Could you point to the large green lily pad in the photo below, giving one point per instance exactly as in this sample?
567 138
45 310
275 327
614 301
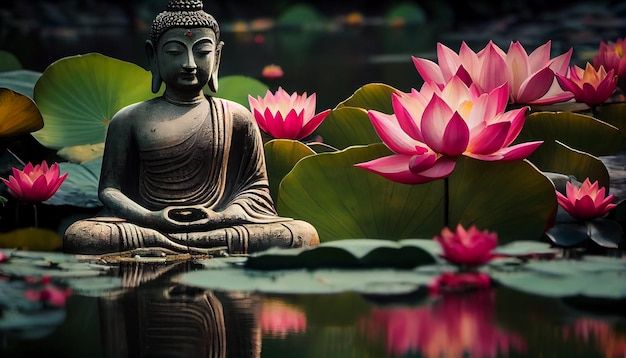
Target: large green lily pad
79 95
31 239
557 157
237 89
347 126
614 114
280 157
376 96
20 81
577 131
18 114
80 188
343 202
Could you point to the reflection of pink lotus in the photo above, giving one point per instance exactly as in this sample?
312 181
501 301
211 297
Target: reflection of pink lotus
605 337
455 326
49 295
470 247
280 319
589 86
432 127
587 202
530 78
611 57
449 282
35 183
286 116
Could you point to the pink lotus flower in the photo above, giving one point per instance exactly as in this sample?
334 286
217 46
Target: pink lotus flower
286 116
272 72
279 319
530 78
467 247
35 183
589 86
432 127
3 257
611 57
587 202
49 295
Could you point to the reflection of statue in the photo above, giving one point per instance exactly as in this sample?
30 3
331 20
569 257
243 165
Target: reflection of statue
183 171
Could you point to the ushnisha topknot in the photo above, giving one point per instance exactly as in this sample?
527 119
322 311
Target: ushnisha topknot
185 14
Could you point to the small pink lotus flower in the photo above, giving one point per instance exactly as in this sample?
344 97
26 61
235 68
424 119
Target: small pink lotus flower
432 127
286 116
279 319
530 78
587 202
589 86
272 72
467 247
611 57
3 257
49 295
35 183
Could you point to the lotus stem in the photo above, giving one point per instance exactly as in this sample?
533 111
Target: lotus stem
16 157
594 111
446 202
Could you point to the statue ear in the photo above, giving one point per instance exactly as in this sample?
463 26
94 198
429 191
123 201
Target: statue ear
154 67
218 55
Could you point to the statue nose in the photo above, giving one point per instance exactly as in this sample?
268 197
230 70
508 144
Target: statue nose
190 64
190 68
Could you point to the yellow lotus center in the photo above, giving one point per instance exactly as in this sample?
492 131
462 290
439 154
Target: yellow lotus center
619 49
465 109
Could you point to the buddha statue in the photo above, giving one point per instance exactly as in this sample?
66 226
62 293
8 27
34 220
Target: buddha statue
185 172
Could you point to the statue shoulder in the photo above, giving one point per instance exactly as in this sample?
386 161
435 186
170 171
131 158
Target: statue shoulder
242 118
125 117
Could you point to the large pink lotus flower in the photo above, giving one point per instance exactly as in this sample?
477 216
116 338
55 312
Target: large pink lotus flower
286 116
467 247
589 86
530 78
587 202
35 183
432 127
611 57
279 319
453 326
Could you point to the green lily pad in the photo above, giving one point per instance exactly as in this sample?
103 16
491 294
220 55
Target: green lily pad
556 157
594 277
80 188
526 248
353 253
20 81
324 281
237 89
280 157
8 62
79 95
318 147
575 130
348 126
82 153
31 239
18 114
376 96
408 13
613 114
344 202
301 15
568 234
606 233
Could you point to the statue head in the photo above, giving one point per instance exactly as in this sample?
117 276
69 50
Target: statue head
184 49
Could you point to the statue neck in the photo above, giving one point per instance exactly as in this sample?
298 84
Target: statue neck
183 97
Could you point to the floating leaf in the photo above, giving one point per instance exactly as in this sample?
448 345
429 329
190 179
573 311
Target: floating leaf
79 95
80 188
606 233
614 114
344 202
365 253
300 15
575 130
22 81
408 13
8 62
557 157
374 281
376 96
526 248
568 234
280 157
348 126
18 114
321 147
82 153
31 239
237 89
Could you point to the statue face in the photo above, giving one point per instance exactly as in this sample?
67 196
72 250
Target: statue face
187 58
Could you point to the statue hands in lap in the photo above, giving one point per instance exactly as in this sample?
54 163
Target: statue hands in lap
183 171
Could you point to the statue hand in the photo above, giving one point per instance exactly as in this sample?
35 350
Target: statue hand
189 217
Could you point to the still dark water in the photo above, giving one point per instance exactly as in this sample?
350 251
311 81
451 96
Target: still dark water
162 319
